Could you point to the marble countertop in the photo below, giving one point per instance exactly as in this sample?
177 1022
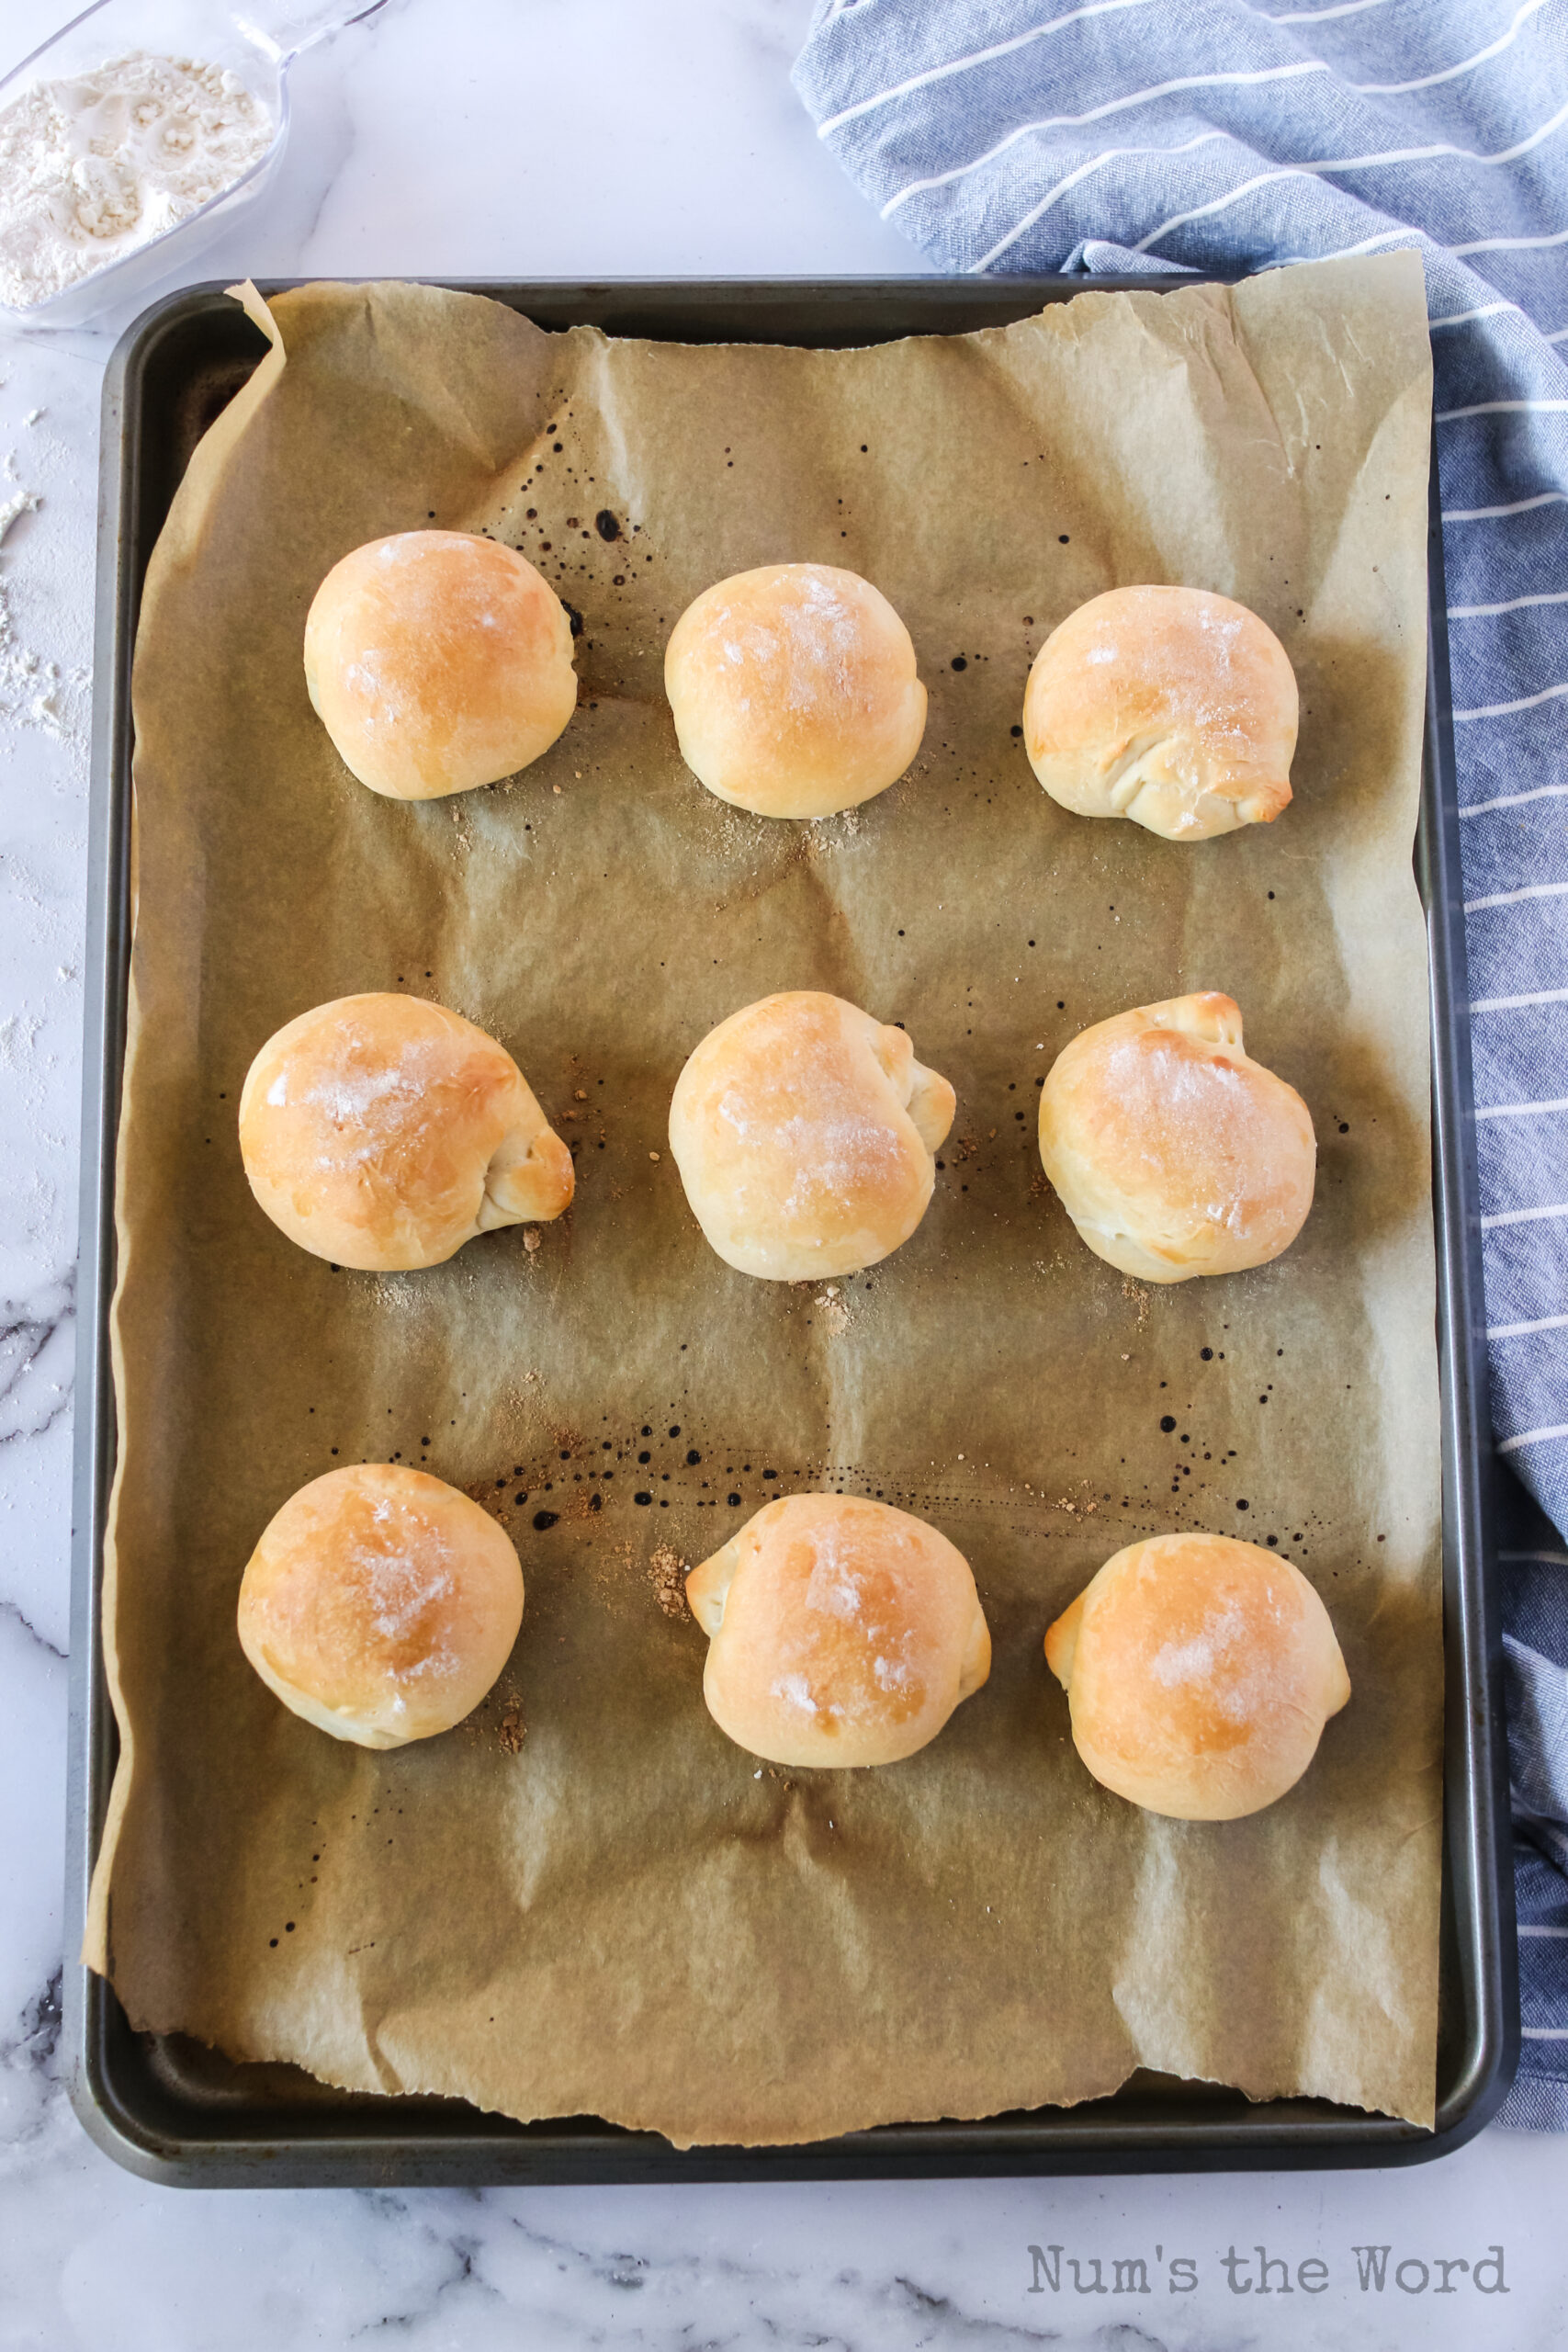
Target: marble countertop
556 138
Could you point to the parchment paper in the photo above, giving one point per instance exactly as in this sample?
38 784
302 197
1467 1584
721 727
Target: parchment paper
586 1899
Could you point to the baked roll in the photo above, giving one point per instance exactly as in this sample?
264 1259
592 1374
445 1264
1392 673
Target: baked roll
384 1132
1199 1673
380 1604
437 660
1173 1153
839 1632
806 1134
794 690
1171 706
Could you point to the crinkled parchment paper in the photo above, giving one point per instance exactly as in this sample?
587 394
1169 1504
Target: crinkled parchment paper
585 1899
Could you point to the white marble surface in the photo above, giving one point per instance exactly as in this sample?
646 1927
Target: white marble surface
528 136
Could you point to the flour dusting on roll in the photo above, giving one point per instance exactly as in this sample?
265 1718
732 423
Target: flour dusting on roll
1173 1152
384 1132
380 1604
1199 1673
1169 706
794 690
438 660
840 1632
806 1134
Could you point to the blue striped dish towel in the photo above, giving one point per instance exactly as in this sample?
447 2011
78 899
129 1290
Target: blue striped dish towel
1224 135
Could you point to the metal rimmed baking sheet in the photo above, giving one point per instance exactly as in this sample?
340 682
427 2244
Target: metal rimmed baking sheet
169 377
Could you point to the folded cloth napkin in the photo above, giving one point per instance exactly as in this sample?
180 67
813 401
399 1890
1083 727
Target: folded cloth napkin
1122 135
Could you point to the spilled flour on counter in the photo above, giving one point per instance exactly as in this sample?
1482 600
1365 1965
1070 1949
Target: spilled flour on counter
93 167
33 692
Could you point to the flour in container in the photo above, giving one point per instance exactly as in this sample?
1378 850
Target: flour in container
93 167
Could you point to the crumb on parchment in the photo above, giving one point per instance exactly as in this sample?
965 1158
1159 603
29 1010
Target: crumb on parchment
666 1574
833 1310
1080 1506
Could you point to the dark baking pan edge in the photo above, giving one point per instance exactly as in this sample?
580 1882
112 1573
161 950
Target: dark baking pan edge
177 2113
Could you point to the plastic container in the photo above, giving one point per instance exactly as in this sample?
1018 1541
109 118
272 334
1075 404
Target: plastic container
258 44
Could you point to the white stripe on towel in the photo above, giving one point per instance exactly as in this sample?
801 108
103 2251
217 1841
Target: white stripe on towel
1506 709
1509 244
1497 514
1512 898
1514 604
1515 800
1095 163
1366 163
1321 15
975 57
1532 1437
1451 72
1464 318
1497 408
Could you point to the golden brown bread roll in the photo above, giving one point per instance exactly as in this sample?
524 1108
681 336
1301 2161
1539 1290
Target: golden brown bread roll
839 1632
383 1131
1169 706
438 660
1173 1153
805 1134
794 690
1199 1673
380 1604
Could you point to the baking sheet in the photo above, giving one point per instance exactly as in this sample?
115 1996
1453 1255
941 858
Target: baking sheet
584 1900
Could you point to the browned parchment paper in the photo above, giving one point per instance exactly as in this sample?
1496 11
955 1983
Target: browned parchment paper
586 1899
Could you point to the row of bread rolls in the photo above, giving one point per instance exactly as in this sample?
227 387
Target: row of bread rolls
439 660
385 1132
381 1605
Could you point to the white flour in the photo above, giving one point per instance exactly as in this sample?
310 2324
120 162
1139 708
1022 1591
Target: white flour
93 167
32 690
